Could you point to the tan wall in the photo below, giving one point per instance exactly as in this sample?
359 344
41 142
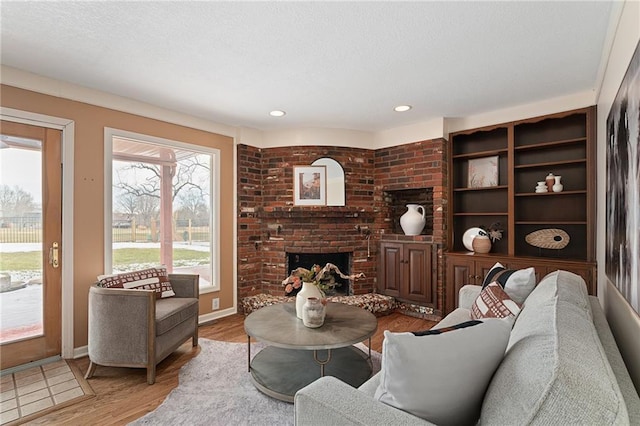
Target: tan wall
88 186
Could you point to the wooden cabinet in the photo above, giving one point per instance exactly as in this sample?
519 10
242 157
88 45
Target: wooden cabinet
525 152
463 269
407 271
469 268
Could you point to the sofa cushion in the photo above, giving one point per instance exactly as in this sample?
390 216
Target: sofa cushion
155 279
517 283
494 302
173 311
556 358
442 377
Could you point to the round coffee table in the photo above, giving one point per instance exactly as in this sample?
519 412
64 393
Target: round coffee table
298 355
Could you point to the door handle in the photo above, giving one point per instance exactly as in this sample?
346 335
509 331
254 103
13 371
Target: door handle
53 255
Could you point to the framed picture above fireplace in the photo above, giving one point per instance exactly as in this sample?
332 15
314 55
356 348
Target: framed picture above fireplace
309 185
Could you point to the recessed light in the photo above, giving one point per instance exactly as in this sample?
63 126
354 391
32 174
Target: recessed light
277 113
402 108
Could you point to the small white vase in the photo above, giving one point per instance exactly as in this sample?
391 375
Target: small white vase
413 221
313 312
557 187
308 290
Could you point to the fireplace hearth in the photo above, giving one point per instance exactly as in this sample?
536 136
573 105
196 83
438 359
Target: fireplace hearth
307 260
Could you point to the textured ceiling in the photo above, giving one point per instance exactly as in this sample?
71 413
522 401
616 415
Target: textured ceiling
327 64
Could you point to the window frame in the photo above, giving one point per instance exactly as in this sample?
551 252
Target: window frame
109 134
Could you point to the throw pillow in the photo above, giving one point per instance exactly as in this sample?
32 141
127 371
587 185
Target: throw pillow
155 279
442 376
494 302
517 283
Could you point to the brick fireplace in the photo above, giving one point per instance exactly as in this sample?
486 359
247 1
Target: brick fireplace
342 260
270 227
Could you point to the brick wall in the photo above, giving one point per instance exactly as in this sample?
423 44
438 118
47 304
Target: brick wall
414 165
269 225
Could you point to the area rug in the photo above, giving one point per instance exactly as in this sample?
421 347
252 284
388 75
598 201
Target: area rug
215 389
33 392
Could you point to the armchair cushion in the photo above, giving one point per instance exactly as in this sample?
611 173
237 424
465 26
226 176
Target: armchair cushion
173 311
155 279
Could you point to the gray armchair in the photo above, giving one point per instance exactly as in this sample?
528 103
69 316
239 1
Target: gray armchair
130 328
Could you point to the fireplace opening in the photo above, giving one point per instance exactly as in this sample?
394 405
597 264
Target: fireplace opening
307 260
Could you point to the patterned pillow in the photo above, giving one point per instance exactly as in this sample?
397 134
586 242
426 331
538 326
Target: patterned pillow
442 377
147 279
494 302
517 283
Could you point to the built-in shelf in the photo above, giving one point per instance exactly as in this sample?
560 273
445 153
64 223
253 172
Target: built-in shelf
549 194
528 150
551 164
554 223
551 144
481 154
481 214
486 188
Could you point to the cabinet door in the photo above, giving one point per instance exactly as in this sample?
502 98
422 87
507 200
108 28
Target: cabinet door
390 272
460 272
418 268
482 268
584 272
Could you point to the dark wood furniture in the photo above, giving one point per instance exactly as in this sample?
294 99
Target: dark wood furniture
408 271
527 150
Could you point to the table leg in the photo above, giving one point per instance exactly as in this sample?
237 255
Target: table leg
322 363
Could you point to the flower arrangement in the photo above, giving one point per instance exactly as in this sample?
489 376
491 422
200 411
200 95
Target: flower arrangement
320 277
493 231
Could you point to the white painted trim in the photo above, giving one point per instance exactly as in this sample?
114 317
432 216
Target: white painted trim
235 225
107 214
204 318
48 86
68 137
109 133
81 352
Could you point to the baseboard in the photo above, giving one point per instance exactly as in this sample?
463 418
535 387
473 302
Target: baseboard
80 352
202 319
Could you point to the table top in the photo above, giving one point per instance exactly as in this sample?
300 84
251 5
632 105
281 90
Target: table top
277 325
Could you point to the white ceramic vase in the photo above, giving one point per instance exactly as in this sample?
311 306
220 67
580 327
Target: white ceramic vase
413 221
557 187
313 312
308 290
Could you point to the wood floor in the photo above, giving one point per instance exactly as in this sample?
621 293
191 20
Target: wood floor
122 394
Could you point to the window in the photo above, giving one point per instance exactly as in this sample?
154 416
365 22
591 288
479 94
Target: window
161 206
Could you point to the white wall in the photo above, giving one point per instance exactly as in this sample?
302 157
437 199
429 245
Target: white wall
624 321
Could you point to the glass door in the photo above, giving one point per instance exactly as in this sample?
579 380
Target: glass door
30 243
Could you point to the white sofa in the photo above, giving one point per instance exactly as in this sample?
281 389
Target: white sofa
561 366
